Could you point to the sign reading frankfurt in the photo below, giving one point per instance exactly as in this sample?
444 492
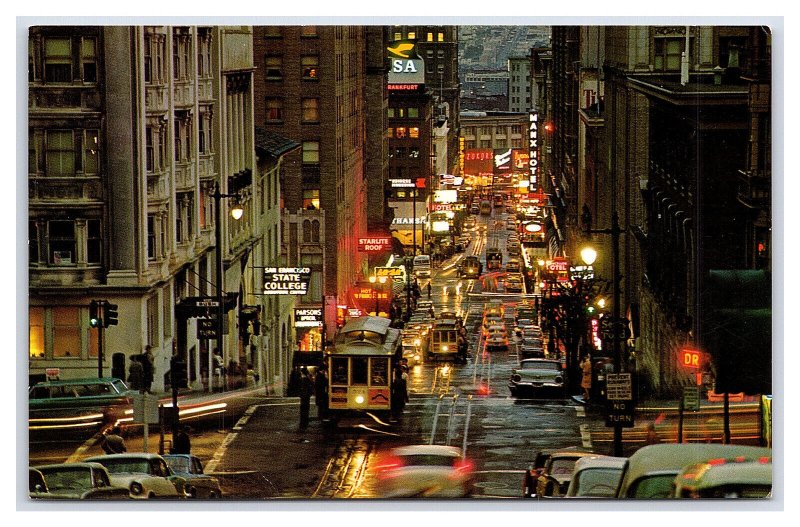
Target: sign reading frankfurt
286 280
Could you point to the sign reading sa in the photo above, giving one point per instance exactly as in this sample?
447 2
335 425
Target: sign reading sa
405 66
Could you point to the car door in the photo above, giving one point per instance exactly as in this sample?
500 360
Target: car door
163 482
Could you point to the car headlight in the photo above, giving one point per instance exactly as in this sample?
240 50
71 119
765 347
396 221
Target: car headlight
516 378
559 380
136 488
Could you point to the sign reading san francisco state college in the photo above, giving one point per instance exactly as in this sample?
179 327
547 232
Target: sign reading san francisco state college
286 280
406 67
533 151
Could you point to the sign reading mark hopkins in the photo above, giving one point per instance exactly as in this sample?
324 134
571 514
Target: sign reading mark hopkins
406 67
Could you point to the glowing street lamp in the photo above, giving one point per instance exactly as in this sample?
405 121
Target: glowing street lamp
588 255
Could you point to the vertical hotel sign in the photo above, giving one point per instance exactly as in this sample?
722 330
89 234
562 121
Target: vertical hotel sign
533 152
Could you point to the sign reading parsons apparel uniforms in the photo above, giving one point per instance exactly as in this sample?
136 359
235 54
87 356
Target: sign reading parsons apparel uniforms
286 280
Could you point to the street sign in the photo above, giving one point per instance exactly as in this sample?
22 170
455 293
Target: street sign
207 303
691 398
619 396
145 408
206 328
388 271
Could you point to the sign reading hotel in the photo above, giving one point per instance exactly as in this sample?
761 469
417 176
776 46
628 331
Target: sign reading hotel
533 151
286 280
374 244
445 196
310 317
406 67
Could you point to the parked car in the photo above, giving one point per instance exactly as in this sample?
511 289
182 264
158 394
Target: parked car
552 476
70 398
424 471
198 484
513 265
650 471
537 375
79 481
470 223
144 475
37 486
725 478
596 477
532 349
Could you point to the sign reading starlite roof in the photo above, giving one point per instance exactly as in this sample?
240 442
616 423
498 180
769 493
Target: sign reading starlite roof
286 280
533 151
406 68
374 244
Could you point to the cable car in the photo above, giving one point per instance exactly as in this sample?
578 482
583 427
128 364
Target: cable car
361 364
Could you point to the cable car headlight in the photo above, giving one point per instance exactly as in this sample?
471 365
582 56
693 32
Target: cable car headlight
445 347
359 399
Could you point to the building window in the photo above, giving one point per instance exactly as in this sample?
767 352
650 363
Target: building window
36 332
204 132
310 152
400 132
61 242
429 37
153 337
412 35
57 60
94 242
89 59
204 52
429 53
311 199
486 143
272 31
308 31
516 143
413 112
440 37
440 53
486 130
310 110
306 231
390 133
310 64
501 143
151 237
274 109
516 129
315 231
149 150
469 144
668 53
66 332
413 132
390 112
398 36
274 67
60 153
33 242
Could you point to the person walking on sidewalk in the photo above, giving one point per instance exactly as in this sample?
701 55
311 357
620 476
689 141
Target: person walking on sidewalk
113 442
181 444
321 393
586 378
306 389
148 362
135 373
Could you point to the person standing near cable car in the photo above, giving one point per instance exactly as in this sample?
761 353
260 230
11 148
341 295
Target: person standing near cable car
306 389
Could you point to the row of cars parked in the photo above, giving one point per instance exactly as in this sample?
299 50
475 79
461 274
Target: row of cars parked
124 476
668 470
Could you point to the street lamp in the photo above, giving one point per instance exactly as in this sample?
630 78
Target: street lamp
236 213
588 255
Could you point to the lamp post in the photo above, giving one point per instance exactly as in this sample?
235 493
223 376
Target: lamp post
236 213
614 231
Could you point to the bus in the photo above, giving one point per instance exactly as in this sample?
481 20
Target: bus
361 364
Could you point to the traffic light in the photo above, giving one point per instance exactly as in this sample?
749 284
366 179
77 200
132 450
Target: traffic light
109 314
94 314
178 373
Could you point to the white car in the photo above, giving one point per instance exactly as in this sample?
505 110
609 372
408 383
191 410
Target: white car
596 477
144 475
537 375
496 337
424 471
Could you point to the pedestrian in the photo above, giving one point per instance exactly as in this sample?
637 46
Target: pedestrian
181 444
429 289
135 373
306 389
293 388
398 397
651 437
586 379
321 393
147 369
113 443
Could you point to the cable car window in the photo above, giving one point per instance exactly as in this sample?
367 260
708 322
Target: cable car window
380 370
360 366
339 370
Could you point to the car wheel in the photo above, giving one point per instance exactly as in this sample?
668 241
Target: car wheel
150 495
212 495
193 492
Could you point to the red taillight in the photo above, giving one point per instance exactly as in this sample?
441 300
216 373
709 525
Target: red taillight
718 461
388 462
463 466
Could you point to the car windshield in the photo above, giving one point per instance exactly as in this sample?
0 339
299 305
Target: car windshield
178 464
67 478
540 366
597 482
648 487
429 460
118 466
562 467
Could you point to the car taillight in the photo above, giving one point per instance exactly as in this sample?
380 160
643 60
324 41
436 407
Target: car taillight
463 466
388 462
